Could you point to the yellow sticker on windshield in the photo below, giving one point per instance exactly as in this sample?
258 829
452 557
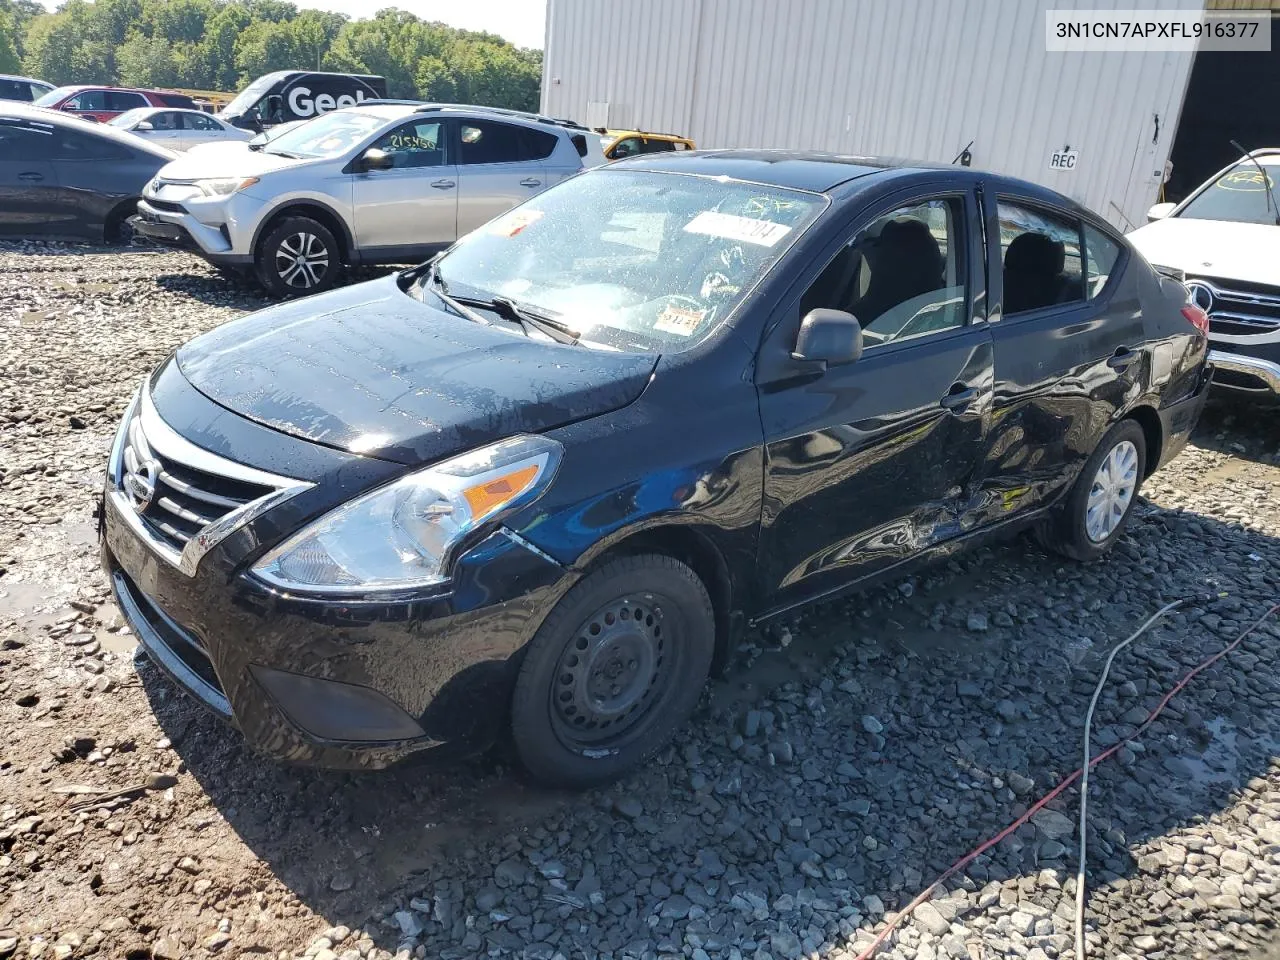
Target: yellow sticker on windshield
679 320
763 233
514 222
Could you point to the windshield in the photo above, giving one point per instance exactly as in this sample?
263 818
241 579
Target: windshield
250 95
1240 195
130 117
632 260
53 96
329 135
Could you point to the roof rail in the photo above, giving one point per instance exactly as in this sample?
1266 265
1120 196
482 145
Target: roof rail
502 112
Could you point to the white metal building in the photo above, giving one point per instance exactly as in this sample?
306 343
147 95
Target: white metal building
909 78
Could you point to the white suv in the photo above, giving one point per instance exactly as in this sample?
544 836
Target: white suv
380 183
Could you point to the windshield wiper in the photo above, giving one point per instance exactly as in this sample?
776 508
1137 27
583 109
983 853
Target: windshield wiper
508 310
441 290
283 153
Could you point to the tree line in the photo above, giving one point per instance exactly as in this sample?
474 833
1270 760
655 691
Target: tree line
224 44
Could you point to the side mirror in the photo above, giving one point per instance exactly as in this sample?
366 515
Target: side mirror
829 337
144 126
375 159
1160 211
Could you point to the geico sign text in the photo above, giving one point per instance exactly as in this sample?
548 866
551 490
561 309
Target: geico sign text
304 105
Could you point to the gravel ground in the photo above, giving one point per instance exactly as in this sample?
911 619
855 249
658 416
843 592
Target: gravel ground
843 762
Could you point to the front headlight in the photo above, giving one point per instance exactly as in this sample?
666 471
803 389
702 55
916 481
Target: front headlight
224 186
400 535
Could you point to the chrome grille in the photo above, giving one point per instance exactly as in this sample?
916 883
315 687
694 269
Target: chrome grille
186 500
1237 308
181 499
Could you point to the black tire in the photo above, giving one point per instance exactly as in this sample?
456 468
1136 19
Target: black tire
602 690
118 230
276 259
1068 531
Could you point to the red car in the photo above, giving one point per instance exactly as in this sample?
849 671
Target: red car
104 103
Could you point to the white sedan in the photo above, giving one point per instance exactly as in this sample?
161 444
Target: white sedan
178 129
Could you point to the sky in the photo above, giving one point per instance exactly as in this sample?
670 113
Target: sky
523 22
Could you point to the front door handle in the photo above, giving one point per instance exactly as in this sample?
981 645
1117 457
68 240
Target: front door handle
443 184
958 397
1122 358
30 175
530 182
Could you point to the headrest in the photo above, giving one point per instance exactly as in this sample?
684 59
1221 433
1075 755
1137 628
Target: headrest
1036 254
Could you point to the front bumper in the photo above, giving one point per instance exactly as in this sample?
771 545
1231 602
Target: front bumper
1246 375
351 684
171 224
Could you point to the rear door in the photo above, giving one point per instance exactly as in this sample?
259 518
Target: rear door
494 172
412 208
869 463
118 101
29 196
1067 356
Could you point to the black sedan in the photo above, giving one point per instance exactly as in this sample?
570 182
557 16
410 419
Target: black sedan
541 484
66 178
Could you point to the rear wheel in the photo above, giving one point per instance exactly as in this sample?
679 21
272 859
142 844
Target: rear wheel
1101 502
296 257
613 671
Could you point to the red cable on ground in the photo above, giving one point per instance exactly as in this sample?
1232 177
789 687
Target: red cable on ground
1039 804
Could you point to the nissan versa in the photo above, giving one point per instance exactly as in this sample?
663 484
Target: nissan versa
541 483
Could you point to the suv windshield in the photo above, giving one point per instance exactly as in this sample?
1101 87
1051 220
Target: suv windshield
53 96
632 260
250 95
329 135
1239 194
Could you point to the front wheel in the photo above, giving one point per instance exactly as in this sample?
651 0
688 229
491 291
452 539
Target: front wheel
1101 502
296 257
613 671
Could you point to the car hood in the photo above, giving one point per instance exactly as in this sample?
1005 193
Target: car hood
371 370
1213 248
232 159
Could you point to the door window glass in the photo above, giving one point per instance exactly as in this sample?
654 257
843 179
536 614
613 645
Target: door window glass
74 145
166 120
198 121
416 144
485 141
14 90
1041 256
656 146
538 144
626 148
902 276
119 100
23 143
1101 254
91 100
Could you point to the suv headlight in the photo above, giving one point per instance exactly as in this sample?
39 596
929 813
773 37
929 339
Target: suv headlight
224 186
400 535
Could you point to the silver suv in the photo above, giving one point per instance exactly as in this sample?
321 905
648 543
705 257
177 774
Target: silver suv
381 183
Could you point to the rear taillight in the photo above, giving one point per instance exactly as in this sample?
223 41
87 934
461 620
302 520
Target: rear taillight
1197 318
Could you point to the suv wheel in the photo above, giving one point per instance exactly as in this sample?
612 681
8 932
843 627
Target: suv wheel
296 257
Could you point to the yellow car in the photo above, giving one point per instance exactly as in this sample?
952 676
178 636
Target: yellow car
628 143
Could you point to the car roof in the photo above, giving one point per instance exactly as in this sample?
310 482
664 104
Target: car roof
792 169
390 110
56 118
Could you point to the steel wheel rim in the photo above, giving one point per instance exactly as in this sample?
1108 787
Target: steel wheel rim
614 672
1112 491
302 260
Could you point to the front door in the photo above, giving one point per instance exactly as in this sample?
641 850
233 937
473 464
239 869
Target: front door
869 463
495 174
29 194
1067 353
412 208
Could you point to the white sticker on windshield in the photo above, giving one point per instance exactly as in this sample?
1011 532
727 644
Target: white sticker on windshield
763 233
679 320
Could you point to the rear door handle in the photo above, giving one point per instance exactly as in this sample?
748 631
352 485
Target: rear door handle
1122 358
958 397
443 184
29 175
530 182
